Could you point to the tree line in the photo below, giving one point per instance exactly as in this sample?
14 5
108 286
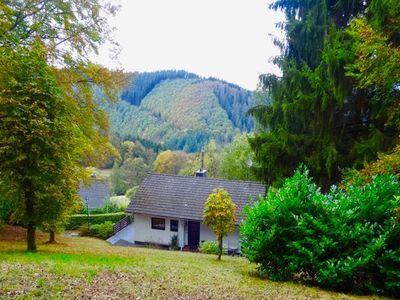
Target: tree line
221 161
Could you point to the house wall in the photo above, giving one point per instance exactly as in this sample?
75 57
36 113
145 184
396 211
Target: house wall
231 241
144 233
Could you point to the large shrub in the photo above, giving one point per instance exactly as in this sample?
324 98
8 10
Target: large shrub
209 247
347 239
103 230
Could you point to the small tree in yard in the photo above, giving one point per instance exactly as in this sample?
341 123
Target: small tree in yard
220 215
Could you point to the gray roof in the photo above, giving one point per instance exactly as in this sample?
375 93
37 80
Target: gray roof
97 192
184 196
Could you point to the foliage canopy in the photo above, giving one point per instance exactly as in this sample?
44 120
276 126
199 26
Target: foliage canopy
50 122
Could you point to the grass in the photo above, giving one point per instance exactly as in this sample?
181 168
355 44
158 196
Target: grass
90 268
101 174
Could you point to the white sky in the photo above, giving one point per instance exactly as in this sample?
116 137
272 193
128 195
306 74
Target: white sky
226 39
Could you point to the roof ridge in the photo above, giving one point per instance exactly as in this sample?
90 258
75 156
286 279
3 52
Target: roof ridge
206 178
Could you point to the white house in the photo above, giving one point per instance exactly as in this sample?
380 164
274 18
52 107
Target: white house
168 205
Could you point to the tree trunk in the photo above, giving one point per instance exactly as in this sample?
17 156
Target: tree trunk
52 238
31 237
220 247
31 230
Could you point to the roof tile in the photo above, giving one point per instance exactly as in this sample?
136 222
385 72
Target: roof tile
184 196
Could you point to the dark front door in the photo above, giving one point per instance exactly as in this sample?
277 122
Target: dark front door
193 234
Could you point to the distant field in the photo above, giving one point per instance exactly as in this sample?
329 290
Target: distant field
102 174
90 268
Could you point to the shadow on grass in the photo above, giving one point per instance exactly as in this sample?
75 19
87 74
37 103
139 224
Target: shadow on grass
256 274
48 255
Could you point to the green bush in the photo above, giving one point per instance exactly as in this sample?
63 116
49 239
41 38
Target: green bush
209 247
107 208
78 220
103 231
106 230
84 230
174 245
347 239
94 230
131 192
112 205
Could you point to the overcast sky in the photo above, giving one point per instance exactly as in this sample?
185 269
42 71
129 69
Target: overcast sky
227 39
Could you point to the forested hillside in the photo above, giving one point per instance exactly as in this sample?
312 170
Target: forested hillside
181 111
144 82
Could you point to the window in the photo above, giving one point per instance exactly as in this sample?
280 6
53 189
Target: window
158 223
174 225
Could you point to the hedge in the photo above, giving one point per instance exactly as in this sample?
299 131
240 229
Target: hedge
78 220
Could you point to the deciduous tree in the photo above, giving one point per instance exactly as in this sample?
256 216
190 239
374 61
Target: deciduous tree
129 175
211 161
233 163
220 215
50 121
39 150
170 162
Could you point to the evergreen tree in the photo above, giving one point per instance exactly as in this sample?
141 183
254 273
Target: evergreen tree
318 114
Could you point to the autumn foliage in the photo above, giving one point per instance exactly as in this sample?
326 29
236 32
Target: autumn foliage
220 215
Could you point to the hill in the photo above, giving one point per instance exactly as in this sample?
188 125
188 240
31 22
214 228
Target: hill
180 110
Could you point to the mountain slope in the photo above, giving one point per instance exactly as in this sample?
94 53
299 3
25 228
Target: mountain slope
182 113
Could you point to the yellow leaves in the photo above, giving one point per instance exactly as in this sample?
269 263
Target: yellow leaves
220 212
170 162
387 163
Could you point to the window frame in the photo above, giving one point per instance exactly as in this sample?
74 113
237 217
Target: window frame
177 225
154 225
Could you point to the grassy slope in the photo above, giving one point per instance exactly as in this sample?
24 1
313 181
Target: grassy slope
85 267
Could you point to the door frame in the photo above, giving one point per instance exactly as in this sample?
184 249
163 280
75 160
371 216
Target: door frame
193 230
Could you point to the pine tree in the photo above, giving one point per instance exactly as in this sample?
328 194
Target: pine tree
318 115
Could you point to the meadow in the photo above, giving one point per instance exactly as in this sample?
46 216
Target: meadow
79 267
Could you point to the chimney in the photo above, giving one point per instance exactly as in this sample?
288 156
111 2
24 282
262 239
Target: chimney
201 172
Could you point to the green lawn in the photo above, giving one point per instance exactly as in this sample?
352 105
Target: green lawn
90 268
101 174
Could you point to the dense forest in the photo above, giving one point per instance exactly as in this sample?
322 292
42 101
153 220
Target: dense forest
143 83
180 111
